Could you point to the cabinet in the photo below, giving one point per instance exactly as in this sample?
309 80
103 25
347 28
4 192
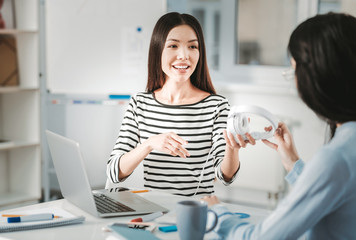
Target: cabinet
20 158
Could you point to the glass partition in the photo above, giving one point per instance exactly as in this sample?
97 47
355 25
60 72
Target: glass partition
262 31
346 6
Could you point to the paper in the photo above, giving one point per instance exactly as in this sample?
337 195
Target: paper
65 219
167 219
126 233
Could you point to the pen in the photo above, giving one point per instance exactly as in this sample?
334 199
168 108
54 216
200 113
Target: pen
33 217
148 217
20 215
139 191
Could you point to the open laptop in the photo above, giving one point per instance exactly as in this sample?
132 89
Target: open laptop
73 181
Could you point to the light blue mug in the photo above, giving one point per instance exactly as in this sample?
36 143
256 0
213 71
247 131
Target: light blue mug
192 218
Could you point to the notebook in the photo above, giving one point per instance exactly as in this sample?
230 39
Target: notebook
73 181
65 218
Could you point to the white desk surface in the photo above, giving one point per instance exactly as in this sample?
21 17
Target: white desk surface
92 227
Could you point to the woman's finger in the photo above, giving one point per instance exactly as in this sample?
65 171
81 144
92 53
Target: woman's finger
270 144
178 139
250 139
233 142
227 138
242 142
176 149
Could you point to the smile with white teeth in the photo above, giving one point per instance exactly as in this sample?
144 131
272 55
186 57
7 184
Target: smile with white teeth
181 67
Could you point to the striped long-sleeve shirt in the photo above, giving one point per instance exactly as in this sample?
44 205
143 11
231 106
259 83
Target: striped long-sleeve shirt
201 124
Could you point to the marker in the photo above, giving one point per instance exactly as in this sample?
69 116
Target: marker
148 218
29 218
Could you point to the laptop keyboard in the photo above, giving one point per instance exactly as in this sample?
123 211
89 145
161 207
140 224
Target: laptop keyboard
105 204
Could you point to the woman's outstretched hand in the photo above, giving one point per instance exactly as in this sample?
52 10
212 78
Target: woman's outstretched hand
231 142
284 145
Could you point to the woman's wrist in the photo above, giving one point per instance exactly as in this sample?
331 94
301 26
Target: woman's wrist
146 146
291 162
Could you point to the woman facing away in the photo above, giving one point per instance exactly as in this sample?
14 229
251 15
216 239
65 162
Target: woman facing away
177 127
322 202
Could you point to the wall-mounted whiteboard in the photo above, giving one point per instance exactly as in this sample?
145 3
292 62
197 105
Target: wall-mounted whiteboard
99 46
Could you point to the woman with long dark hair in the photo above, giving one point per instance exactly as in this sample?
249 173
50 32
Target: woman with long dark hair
322 202
177 127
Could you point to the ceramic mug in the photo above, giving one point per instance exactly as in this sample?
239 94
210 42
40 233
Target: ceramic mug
192 218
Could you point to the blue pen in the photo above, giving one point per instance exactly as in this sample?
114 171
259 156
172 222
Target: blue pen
33 217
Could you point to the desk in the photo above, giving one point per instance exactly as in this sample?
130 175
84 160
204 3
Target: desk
91 229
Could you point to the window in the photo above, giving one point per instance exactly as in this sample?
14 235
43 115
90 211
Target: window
246 40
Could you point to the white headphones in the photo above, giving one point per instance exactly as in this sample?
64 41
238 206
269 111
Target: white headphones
237 121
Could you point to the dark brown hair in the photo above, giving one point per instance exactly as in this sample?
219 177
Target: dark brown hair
324 49
156 77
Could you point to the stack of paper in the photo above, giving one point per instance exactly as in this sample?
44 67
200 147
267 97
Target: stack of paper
127 233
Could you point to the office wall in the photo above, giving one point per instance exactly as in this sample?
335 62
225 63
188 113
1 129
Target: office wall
96 46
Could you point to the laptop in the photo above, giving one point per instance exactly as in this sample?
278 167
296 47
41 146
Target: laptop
73 181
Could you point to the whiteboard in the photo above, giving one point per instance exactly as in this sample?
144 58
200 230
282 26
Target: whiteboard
99 46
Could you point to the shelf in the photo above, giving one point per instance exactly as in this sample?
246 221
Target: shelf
17 144
20 110
16 89
16 31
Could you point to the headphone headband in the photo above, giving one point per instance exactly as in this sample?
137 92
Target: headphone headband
237 123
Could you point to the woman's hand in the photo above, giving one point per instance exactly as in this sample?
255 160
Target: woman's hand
169 143
285 145
231 142
231 162
211 200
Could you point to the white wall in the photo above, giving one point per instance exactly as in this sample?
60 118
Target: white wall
96 46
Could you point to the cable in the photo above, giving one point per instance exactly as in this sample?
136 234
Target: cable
202 171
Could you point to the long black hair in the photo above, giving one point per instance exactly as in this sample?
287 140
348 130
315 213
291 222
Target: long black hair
324 49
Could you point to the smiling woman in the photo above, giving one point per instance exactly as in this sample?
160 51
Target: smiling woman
177 127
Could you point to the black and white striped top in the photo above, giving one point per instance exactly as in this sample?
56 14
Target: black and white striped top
201 124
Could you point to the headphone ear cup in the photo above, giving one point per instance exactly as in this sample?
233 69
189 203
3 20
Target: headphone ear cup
243 125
